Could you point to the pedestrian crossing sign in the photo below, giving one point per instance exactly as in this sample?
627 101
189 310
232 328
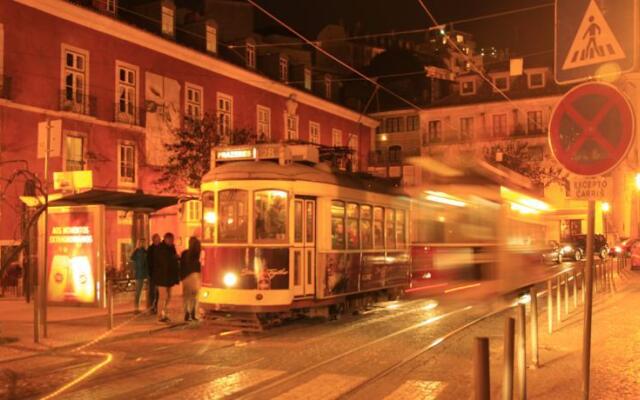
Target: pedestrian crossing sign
594 38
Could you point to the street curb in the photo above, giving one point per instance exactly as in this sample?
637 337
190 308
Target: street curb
108 339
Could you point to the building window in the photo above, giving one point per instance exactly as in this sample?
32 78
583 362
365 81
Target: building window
314 132
336 138
500 125
353 146
292 127
127 163
168 20
395 154
251 55
307 78
75 81
284 69
534 122
413 123
224 114
501 82
126 90
468 88
211 38
193 101
536 80
435 131
466 128
394 124
74 153
264 123
327 86
111 6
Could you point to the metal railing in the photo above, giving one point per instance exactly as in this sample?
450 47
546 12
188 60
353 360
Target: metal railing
128 114
78 102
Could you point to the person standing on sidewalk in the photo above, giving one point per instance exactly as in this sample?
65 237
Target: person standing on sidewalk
152 295
140 270
166 273
190 275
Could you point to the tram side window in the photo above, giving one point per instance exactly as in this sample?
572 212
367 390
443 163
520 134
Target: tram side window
297 234
366 234
208 216
232 225
337 225
353 235
378 228
271 215
391 230
400 228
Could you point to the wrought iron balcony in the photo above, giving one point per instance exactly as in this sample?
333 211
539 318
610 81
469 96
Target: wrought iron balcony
78 102
128 114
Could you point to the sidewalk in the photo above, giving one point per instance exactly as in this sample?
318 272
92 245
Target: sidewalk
615 350
72 326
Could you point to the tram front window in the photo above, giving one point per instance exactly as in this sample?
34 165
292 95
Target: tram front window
271 215
337 225
233 216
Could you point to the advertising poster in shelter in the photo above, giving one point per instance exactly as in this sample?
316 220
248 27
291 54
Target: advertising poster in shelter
73 273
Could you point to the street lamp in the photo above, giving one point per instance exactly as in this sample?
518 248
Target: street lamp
605 207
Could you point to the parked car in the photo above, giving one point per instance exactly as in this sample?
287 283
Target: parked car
623 247
551 254
575 247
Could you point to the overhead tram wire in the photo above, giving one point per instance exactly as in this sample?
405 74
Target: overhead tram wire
406 32
471 63
334 58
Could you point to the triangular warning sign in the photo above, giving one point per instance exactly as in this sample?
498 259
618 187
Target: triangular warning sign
594 42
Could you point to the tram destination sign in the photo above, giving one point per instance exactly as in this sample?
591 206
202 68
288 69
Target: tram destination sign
591 129
590 188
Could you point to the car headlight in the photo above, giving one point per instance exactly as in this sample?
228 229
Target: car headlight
230 279
618 249
567 249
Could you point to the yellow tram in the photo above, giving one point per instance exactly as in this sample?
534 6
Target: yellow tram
283 234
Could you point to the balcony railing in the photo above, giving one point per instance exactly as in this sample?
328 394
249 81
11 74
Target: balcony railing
453 137
5 87
77 102
391 157
128 114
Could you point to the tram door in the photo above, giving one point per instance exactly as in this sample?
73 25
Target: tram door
303 256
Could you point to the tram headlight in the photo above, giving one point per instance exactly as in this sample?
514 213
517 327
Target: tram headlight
230 279
210 217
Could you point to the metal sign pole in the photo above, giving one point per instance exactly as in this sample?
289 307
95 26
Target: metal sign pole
588 303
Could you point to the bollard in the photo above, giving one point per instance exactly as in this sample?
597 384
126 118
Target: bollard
522 352
535 360
558 300
109 305
550 306
507 376
481 369
575 288
566 294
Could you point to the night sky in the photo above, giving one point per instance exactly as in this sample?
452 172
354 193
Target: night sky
523 33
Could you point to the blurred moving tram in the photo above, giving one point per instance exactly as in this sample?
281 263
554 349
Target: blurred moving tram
285 236
474 224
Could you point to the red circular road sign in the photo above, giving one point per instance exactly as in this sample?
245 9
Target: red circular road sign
591 129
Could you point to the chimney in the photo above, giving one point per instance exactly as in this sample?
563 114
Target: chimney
211 35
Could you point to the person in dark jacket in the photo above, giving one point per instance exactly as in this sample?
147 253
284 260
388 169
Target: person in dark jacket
152 295
140 270
166 273
190 275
